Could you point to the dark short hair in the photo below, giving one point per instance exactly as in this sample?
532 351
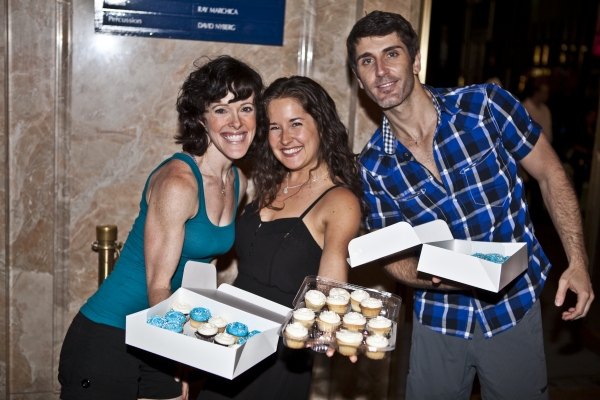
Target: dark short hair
334 149
381 23
209 82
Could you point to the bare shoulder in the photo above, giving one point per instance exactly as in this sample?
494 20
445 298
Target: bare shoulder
174 182
341 202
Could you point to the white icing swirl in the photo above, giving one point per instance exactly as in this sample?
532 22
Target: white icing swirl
336 291
330 317
304 314
315 297
337 300
359 295
225 339
355 318
182 307
379 322
378 341
347 336
371 302
207 329
218 321
296 330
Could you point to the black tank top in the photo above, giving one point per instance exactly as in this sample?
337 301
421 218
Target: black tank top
275 256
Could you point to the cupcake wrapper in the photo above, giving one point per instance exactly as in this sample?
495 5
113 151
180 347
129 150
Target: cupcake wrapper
352 327
347 349
375 355
380 331
370 312
326 326
339 309
294 343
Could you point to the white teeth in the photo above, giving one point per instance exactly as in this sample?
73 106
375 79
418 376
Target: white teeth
291 151
234 138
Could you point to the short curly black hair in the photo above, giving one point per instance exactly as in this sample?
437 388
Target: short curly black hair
381 23
209 83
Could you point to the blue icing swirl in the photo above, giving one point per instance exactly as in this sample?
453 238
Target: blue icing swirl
173 327
253 333
493 257
243 340
237 329
175 316
200 314
157 320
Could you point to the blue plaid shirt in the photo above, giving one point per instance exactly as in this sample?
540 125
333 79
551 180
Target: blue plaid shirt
482 133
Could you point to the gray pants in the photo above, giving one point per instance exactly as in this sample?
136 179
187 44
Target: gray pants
510 365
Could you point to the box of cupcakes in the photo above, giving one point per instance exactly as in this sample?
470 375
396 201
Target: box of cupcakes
485 265
347 318
222 330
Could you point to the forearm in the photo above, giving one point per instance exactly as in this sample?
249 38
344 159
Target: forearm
157 295
405 270
562 205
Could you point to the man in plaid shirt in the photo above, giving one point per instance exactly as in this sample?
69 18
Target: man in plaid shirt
454 155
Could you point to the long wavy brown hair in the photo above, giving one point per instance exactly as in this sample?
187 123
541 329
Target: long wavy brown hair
334 149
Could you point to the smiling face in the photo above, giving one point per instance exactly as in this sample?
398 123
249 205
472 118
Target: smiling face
231 126
293 135
385 69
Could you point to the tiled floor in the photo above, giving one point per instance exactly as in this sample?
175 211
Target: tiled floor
573 373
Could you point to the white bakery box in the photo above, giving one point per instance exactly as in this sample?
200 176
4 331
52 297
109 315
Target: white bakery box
442 255
199 289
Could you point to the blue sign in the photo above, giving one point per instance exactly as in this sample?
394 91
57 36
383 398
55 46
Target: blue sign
235 21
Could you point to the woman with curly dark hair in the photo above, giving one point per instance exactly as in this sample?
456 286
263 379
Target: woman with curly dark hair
305 212
187 211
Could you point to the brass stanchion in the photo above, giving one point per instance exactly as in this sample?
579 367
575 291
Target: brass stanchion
108 250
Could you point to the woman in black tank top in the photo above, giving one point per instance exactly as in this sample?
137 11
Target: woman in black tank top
307 209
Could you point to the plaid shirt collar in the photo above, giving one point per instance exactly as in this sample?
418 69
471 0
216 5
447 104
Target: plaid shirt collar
389 140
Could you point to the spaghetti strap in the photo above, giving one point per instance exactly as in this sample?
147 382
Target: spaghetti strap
316 201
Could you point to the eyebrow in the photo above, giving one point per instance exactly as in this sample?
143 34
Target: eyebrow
369 54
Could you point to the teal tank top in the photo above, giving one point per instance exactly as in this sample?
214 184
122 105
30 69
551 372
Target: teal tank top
124 291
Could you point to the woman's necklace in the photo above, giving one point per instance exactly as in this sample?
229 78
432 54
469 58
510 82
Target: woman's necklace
223 192
287 182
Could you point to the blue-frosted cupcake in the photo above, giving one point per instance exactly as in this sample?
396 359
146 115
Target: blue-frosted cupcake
173 327
198 316
175 317
157 321
237 329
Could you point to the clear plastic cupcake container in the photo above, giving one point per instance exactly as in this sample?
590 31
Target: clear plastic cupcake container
320 341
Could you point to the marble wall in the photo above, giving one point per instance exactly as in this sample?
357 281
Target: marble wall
86 117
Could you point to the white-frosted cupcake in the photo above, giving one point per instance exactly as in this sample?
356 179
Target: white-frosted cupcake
356 297
370 307
225 339
314 300
207 332
336 291
295 335
304 316
354 321
219 322
375 346
337 304
328 321
348 341
379 325
184 308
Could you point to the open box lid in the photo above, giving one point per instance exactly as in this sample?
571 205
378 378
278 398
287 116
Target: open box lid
395 239
201 278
